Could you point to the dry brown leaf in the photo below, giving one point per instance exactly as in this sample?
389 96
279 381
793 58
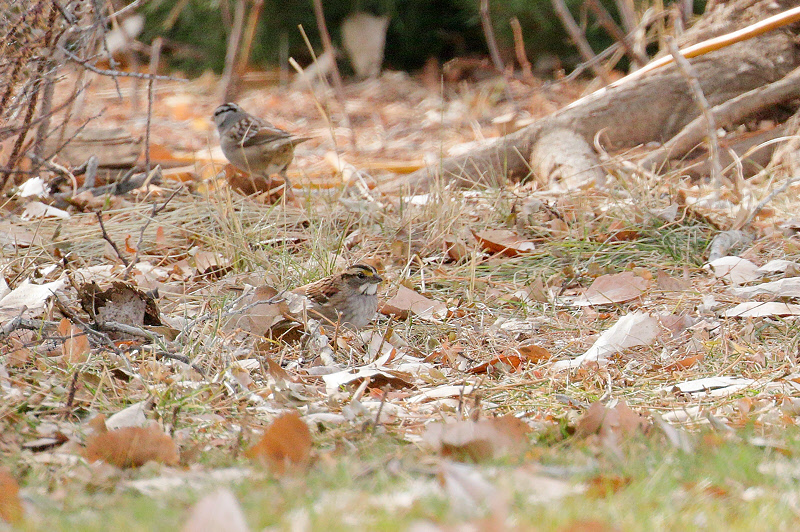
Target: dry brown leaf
132 447
285 447
455 248
76 342
15 236
512 360
533 352
121 303
667 283
589 525
10 503
503 241
684 363
211 263
618 421
615 288
604 485
478 440
407 301
617 232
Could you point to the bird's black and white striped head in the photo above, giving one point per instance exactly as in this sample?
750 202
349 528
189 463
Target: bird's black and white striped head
363 278
226 114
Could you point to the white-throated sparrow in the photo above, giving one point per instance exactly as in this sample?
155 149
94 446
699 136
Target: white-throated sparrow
253 145
349 298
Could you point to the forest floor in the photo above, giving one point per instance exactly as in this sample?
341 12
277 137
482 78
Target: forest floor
551 357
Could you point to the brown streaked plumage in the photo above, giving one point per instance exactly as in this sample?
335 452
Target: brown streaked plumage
349 298
253 145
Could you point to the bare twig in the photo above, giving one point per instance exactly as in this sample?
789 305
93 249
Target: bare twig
249 35
338 87
156 209
691 77
101 23
607 22
108 239
155 54
180 358
86 64
579 40
226 90
771 196
74 134
488 32
73 386
491 42
112 326
519 50
130 7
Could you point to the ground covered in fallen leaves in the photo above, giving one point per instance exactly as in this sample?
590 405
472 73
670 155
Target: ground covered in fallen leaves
546 356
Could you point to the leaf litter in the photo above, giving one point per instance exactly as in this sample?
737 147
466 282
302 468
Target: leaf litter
503 323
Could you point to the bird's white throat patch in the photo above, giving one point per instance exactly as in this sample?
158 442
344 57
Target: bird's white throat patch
369 289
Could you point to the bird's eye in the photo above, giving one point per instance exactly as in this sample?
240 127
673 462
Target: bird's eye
361 275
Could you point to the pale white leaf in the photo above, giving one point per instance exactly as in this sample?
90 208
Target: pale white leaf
735 270
789 287
634 329
756 309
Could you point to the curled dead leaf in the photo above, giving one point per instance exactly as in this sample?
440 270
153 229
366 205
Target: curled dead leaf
619 420
503 241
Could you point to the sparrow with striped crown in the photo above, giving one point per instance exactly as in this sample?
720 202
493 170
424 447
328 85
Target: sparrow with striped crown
253 145
349 298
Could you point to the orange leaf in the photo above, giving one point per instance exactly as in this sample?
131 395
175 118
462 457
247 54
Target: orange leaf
533 352
76 343
503 241
132 447
285 446
129 244
684 363
510 360
160 239
10 503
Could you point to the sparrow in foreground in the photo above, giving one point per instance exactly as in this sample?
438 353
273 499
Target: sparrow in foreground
349 298
253 145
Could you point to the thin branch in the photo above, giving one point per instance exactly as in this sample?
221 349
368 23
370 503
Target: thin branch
101 23
156 209
771 196
607 22
691 77
226 92
491 42
579 39
717 43
726 114
249 35
338 87
519 50
103 72
488 32
108 239
155 54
